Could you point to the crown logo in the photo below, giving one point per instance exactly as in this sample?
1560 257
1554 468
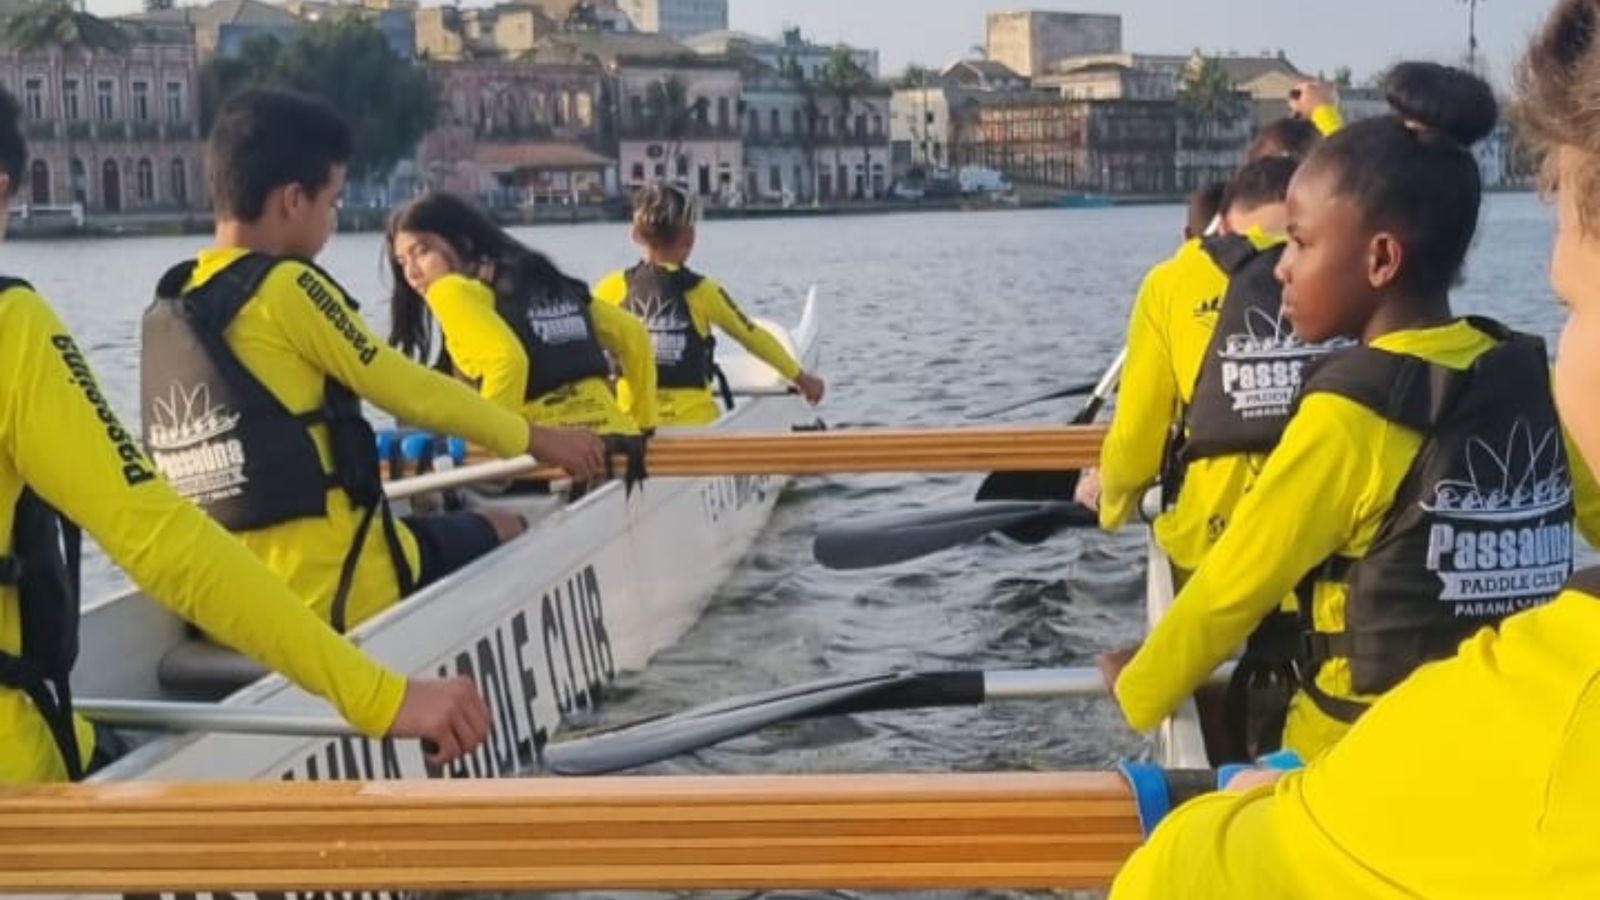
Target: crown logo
658 314
186 417
1268 338
1527 480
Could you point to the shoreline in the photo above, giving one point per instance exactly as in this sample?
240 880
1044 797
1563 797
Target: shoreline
357 221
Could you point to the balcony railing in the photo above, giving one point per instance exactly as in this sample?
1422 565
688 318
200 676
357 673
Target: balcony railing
697 131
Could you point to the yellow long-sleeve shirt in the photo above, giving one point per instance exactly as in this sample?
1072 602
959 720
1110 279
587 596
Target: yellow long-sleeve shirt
1324 491
59 436
486 349
709 305
1174 318
1475 778
291 336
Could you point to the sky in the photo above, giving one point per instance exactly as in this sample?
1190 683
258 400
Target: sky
1366 35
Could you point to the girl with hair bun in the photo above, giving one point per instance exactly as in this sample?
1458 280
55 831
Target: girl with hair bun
1477 776
1423 489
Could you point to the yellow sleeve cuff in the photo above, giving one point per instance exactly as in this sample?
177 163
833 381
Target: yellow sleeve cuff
1328 119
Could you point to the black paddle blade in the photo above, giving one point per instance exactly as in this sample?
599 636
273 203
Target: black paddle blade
657 739
1077 390
1039 486
886 540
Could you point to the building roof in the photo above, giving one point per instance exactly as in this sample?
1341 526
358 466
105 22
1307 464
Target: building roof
223 12
1245 69
985 69
611 47
549 155
717 41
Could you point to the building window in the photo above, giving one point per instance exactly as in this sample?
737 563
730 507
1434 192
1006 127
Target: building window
777 123
877 126
722 112
175 101
180 181
141 101
755 123
861 125
683 166
70 99
105 108
636 108
799 122
34 90
702 111
584 111
638 172
775 180
40 176
799 179
79 181
823 126
661 171
145 181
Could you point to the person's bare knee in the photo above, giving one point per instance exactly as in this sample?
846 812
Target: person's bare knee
506 525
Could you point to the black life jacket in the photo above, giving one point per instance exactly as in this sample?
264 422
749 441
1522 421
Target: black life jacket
660 298
43 566
1252 369
226 443
556 329
1481 526
1585 582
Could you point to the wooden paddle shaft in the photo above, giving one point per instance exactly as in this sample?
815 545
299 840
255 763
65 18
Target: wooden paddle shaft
1019 831
940 450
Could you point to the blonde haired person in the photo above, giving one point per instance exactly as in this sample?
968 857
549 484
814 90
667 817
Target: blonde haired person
680 307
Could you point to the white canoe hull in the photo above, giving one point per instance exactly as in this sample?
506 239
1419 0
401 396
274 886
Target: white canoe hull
594 590
1180 742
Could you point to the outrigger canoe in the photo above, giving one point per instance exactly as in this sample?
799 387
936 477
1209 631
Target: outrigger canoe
594 589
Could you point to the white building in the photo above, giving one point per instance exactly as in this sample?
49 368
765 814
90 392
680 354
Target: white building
677 18
809 56
922 128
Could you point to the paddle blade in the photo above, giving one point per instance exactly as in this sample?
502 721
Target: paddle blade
886 540
657 739
654 740
1077 390
1039 486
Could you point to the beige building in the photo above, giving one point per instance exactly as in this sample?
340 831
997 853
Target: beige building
113 131
1031 42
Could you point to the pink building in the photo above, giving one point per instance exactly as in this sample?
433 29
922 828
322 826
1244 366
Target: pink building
514 132
706 153
116 131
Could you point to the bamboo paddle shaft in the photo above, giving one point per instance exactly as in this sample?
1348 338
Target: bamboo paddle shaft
1012 831
821 453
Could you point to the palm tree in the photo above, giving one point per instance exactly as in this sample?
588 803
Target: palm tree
789 68
1208 99
670 114
65 27
1472 34
842 78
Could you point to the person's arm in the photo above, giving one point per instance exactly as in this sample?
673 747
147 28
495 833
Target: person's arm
334 338
1328 463
69 446
628 340
612 289
480 341
718 308
1147 402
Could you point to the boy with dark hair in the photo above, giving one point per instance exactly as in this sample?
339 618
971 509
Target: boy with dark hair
62 448
280 454
1205 205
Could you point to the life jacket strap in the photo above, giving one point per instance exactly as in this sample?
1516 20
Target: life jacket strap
52 697
347 571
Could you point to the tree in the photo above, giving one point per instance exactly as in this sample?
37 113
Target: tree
789 68
1472 34
151 6
843 79
60 25
670 114
1343 78
389 102
914 76
1208 100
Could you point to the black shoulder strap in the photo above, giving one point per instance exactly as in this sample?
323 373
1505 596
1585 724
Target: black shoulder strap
1586 581
7 283
228 291
1403 389
1229 251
